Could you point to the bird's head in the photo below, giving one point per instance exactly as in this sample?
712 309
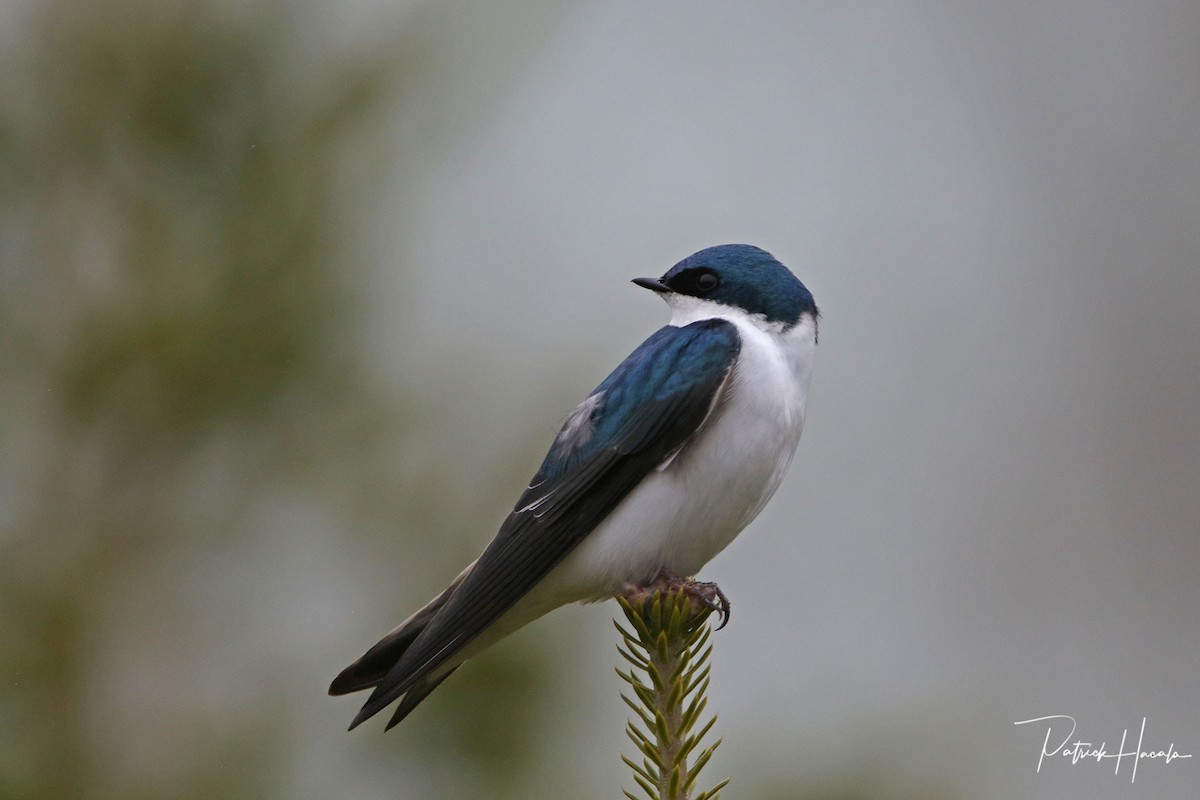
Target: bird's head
734 276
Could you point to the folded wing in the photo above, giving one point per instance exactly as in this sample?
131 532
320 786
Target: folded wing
639 417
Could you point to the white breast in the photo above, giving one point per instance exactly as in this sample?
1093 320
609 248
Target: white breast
685 513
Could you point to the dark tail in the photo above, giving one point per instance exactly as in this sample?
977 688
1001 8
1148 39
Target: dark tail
374 665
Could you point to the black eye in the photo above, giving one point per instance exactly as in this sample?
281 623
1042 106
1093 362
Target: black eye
707 281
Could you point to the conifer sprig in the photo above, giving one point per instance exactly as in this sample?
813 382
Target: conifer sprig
667 647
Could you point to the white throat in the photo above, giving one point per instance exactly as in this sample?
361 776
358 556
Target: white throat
686 309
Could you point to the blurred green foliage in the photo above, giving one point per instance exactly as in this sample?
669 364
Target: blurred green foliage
169 289
178 340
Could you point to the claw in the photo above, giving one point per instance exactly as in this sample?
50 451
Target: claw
712 596
706 592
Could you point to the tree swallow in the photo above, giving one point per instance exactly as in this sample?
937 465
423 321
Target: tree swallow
663 464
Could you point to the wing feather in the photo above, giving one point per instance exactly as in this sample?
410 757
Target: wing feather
646 410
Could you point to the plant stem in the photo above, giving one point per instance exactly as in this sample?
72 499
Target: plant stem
668 650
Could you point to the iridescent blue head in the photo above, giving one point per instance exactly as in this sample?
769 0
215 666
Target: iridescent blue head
740 276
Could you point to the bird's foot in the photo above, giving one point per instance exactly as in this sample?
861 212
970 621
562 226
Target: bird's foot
704 592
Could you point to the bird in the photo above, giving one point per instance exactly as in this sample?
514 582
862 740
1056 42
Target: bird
658 469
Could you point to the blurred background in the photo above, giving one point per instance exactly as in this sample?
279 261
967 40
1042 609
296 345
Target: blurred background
294 295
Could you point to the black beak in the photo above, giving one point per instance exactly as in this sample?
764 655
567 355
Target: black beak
653 284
